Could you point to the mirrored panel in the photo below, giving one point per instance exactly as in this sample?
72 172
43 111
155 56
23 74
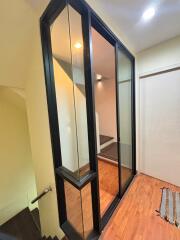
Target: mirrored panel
87 210
74 208
125 117
106 124
68 62
79 209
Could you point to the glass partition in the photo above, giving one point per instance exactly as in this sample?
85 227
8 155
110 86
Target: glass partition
68 62
85 115
124 82
106 123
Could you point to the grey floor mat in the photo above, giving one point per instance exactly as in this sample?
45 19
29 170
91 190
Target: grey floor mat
170 206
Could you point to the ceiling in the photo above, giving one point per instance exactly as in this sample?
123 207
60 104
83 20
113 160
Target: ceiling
140 34
127 15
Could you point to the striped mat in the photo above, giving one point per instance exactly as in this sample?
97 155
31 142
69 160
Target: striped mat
170 206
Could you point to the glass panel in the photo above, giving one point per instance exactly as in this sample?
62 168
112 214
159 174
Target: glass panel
74 207
106 125
67 49
125 118
79 209
87 210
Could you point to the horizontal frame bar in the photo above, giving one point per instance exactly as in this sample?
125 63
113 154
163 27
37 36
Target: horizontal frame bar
77 183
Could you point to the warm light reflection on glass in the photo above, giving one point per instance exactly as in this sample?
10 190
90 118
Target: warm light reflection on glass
99 84
98 77
77 45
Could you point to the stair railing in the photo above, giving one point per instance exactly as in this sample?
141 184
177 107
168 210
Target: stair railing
46 190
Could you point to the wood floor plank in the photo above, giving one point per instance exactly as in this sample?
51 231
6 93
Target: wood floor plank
136 218
109 182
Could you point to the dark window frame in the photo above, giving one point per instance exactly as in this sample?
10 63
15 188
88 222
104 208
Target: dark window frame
90 18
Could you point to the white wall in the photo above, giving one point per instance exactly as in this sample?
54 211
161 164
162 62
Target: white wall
163 55
105 103
158 112
17 179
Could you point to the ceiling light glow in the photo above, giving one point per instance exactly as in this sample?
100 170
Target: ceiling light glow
77 45
98 77
149 13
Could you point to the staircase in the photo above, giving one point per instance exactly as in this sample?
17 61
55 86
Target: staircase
49 238
105 141
24 226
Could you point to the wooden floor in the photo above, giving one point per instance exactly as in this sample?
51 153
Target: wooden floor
136 218
109 182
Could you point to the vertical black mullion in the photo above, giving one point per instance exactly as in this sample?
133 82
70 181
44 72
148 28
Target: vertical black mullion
133 115
91 119
117 115
53 117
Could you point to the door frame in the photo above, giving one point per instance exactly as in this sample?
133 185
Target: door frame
90 18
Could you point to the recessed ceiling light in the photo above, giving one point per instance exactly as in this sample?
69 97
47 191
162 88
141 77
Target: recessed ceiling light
149 13
77 45
98 77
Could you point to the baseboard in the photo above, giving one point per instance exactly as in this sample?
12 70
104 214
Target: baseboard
112 162
107 160
160 179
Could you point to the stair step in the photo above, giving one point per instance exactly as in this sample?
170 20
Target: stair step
7 237
64 238
36 218
104 139
22 226
110 152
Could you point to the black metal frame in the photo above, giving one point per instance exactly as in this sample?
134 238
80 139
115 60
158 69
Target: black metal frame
89 18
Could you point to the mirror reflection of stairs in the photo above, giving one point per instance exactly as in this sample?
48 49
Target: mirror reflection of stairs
25 226
108 148
105 141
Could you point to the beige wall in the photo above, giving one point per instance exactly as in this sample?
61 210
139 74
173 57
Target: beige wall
40 136
17 179
16 28
22 68
158 112
105 103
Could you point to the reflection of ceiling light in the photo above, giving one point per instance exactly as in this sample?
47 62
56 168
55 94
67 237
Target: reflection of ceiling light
77 45
98 77
149 13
